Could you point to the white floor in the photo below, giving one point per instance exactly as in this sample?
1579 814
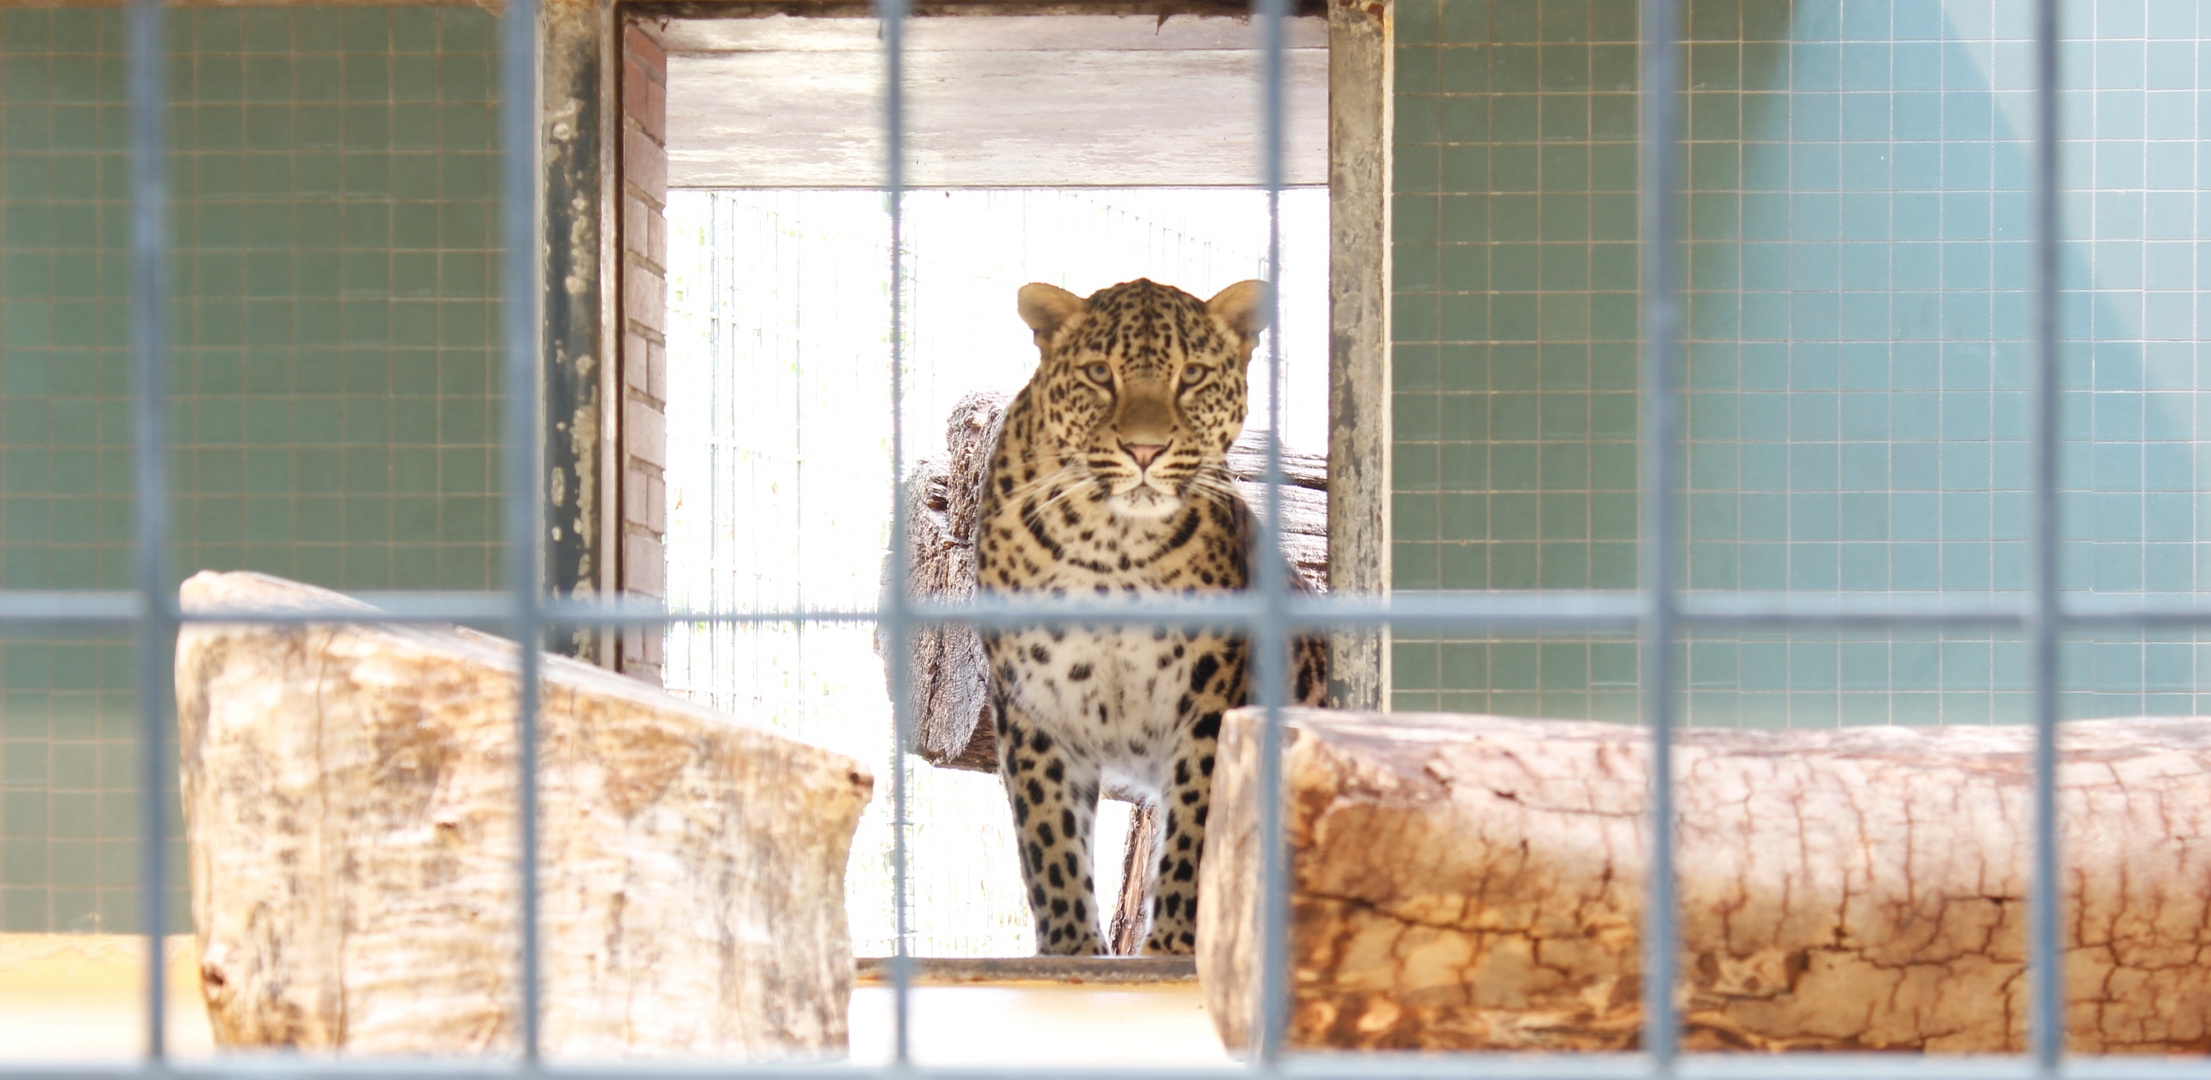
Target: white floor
76 999
1028 1024
75 1026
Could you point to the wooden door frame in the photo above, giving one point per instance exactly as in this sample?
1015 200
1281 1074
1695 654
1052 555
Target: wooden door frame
597 413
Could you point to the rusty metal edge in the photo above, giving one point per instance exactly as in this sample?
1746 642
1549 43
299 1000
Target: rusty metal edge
613 18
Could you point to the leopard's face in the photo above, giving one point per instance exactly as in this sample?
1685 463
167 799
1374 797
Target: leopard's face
1142 386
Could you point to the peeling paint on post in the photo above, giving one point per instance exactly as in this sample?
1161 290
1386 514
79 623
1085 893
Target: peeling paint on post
575 340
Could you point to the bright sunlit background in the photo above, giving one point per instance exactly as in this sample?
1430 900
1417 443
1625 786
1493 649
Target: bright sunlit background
780 450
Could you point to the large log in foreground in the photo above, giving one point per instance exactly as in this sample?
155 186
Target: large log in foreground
351 819
1474 882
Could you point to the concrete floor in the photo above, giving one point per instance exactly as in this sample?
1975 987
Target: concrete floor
75 998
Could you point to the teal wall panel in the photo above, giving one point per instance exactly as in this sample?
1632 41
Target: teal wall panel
1856 406
333 364
1514 330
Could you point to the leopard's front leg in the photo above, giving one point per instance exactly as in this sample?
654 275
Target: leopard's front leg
1184 803
1219 678
1055 798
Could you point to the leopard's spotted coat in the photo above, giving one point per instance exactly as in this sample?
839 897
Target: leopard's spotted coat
1109 477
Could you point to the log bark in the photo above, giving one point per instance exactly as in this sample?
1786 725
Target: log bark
1139 870
1471 882
350 805
950 682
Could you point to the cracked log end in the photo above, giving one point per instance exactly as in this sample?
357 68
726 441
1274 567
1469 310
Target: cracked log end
1475 882
350 805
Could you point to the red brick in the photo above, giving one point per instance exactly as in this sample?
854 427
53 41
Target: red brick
644 298
656 238
645 101
642 654
653 116
644 566
636 92
642 43
636 234
644 166
637 363
656 506
637 499
645 433
656 371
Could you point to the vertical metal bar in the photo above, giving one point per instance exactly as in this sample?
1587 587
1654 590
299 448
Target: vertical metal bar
896 621
2045 972
1661 329
1270 645
518 220
150 413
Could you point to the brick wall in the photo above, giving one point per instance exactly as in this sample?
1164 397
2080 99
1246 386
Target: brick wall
642 569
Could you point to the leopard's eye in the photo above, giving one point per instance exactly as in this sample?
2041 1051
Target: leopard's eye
1195 374
1101 371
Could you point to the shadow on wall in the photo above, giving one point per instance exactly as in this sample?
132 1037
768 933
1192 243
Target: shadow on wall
1858 363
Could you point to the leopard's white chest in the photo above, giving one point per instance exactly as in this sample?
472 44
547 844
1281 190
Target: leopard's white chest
1111 696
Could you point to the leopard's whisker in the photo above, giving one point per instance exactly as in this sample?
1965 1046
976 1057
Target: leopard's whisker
1067 477
1023 489
1038 513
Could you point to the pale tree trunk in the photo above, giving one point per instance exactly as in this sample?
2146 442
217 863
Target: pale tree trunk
1139 866
350 799
1471 882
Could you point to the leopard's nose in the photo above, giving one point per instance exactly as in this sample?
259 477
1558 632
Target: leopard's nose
1143 453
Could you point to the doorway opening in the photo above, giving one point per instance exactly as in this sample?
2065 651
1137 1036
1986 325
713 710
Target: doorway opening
778 473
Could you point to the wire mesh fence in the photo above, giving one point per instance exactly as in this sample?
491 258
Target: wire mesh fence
1657 611
779 410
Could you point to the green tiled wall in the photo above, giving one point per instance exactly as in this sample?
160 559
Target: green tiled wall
1515 305
1856 406
333 281
1514 330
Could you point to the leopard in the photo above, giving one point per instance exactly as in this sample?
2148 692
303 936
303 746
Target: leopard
1109 478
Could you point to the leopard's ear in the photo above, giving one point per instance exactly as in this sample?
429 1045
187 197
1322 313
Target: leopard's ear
1046 308
1245 307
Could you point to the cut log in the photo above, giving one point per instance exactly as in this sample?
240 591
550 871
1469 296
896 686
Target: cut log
1472 882
350 805
950 681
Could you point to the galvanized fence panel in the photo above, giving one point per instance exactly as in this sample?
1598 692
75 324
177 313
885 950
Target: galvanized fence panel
1271 614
